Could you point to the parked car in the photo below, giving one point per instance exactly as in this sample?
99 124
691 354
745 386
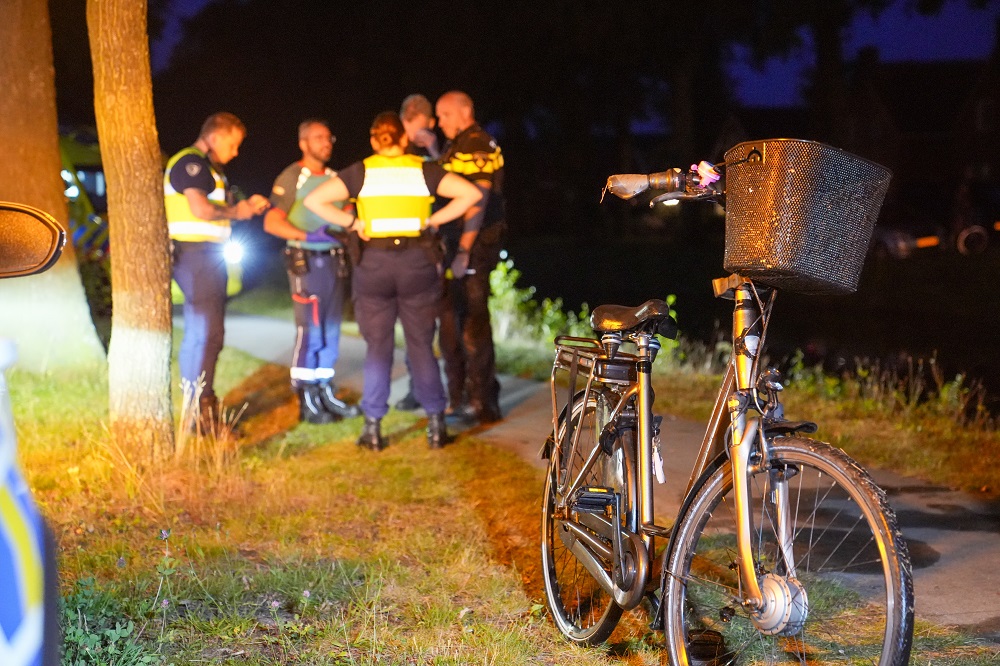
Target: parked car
30 242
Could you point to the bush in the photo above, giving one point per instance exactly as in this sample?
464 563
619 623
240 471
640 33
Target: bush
516 315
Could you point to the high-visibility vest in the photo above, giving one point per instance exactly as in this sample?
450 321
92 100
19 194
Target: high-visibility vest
183 224
305 219
394 199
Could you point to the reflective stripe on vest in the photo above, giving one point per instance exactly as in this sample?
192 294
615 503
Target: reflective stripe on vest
394 199
184 225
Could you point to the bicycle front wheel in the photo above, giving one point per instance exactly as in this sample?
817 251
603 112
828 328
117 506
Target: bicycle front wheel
849 599
582 610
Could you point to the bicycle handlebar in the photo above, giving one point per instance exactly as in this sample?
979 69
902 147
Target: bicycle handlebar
628 185
674 183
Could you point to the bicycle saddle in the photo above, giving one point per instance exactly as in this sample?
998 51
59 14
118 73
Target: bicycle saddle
618 318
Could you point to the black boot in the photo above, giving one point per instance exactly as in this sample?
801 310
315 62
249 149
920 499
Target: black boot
334 405
311 405
371 435
437 433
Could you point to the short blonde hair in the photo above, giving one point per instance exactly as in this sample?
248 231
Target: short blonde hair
222 121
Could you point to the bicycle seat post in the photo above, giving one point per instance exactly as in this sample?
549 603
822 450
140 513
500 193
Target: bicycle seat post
647 347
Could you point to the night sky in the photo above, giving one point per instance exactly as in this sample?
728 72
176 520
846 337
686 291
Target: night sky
957 32
899 33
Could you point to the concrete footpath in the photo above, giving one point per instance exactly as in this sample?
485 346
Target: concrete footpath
954 538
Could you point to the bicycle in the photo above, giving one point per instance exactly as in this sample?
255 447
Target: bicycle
784 548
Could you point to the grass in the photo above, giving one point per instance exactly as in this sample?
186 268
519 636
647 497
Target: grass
302 548
880 421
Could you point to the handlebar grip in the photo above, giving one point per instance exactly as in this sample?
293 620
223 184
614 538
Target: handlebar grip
627 185
671 180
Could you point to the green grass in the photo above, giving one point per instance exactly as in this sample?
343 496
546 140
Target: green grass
409 556
301 548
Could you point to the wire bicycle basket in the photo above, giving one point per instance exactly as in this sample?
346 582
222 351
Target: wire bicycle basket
800 214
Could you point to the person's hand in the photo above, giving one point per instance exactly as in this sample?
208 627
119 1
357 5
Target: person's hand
358 227
319 235
460 264
427 140
258 203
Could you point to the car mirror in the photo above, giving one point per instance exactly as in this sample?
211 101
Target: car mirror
30 240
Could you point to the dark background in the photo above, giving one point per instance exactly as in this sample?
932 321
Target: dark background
577 90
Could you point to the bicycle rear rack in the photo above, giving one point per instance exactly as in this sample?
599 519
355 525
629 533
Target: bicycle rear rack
584 356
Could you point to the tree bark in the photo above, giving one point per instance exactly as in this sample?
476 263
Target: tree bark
46 314
139 354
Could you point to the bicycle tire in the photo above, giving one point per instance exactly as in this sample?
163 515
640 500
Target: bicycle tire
582 610
851 560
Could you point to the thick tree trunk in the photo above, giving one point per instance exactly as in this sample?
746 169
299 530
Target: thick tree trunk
46 314
139 354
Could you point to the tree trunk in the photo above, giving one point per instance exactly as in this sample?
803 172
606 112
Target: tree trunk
829 99
139 354
46 314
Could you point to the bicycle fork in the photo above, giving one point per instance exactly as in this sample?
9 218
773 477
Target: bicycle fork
777 603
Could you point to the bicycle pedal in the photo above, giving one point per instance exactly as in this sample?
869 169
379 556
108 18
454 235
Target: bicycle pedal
594 499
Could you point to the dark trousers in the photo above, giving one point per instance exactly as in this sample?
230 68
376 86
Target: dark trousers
200 272
466 336
318 300
403 284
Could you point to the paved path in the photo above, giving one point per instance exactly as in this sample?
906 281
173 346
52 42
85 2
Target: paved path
954 538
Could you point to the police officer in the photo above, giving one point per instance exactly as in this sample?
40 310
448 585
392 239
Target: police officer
417 115
472 252
418 121
317 269
199 209
398 275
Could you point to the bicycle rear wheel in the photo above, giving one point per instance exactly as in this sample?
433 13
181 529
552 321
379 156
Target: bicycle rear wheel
582 610
850 599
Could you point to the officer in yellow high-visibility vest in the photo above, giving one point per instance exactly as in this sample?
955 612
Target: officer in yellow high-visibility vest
199 211
399 273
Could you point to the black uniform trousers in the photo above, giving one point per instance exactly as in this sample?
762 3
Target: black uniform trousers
465 335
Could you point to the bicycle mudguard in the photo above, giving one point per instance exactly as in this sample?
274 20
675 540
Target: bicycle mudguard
785 428
545 453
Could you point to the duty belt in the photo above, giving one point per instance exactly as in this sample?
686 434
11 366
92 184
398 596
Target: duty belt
393 243
333 251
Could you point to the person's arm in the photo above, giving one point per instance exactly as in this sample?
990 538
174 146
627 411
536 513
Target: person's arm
473 218
463 194
322 201
276 223
204 209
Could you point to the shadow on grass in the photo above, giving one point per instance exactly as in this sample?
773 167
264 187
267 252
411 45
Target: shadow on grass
271 407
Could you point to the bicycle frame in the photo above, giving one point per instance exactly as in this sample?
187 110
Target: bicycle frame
737 397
